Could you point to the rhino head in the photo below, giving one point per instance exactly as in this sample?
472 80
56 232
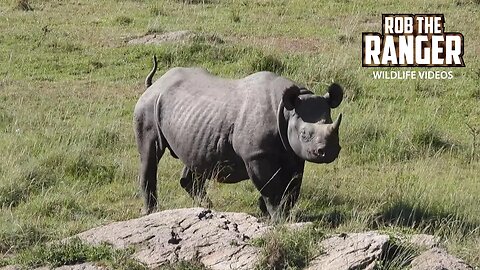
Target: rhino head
305 123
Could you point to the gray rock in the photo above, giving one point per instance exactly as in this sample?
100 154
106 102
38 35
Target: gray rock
350 251
217 240
438 259
10 267
83 266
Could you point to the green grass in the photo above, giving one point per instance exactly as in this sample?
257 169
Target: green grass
68 85
74 252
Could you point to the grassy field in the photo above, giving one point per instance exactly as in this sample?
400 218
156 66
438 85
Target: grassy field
69 82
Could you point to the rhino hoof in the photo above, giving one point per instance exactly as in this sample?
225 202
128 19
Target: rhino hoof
148 211
263 206
207 203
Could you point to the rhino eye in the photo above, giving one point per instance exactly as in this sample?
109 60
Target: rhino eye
305 136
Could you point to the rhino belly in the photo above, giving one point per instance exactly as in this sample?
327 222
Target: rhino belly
202 142
215 160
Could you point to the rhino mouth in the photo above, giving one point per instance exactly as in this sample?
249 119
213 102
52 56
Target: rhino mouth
323 156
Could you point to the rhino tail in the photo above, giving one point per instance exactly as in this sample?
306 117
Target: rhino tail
148 80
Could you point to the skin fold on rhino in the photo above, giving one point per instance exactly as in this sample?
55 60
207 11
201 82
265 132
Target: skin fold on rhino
262 127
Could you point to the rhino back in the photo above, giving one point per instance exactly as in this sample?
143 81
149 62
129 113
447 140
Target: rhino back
208 120
257 133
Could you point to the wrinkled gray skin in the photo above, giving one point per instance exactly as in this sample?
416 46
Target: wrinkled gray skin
261 127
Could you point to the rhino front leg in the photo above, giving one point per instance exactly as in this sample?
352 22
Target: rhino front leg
194 184
262 206
279 186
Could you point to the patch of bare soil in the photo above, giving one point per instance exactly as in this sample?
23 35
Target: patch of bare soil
182 36
284 44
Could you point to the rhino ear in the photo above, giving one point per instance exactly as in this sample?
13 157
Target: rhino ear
334 96
289 96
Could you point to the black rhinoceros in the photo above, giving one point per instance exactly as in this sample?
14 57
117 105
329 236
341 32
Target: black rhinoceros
261 127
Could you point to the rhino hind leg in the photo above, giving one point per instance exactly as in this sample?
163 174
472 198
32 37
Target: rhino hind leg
150 153
194 185
151 148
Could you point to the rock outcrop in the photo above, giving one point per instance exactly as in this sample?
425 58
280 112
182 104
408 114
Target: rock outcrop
350 251
217 240
438 259
223 241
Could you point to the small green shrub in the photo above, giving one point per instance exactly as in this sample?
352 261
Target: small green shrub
91 169
123 20
166 58
155 28
6 119
58 206
94 64
432 89
157 11
23 5
235 16
267 63
63 46
475 93
344 39
288 249
194 2
396 255
430 138
467 2
105 138
214 39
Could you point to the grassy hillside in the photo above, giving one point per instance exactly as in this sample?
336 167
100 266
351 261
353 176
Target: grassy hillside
69 82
